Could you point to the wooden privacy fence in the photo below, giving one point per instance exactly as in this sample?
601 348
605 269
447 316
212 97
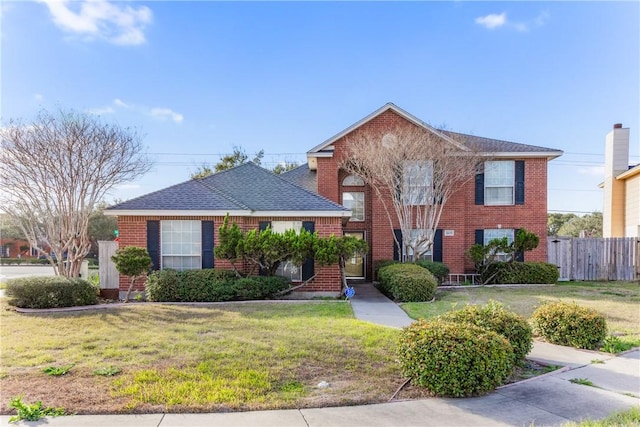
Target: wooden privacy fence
109 278
616 258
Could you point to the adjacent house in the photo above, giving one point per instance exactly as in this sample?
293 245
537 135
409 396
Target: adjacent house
178 225
621 213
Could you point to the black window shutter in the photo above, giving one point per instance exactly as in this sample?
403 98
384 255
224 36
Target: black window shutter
396 245
207 244
518 256
479 239
308 266
519 182
437 246
153 243
480 188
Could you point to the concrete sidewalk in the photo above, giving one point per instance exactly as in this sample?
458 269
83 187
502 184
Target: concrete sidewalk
550 399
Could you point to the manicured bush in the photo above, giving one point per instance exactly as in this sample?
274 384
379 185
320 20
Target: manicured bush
494 317
50 292
520 273
439 270
454 359
377 265
211 285
570 324
407 282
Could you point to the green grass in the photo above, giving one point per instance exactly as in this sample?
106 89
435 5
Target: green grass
630 417
233 356
582 381
618 301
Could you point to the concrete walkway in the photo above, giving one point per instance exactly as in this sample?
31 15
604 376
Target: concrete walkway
547 400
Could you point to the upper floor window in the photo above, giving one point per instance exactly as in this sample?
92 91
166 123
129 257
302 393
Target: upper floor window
355 202
417 183
352 180
499 182
181 244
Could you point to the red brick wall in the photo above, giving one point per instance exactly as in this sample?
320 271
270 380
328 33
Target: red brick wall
133 232
460 214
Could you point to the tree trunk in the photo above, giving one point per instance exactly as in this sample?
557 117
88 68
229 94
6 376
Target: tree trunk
133 279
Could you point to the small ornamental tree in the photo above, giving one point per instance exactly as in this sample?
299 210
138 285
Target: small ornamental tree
230 238
134 262
484 256
334 249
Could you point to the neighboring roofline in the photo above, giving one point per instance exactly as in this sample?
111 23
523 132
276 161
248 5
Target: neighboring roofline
527 154
165 212
629 173
316 151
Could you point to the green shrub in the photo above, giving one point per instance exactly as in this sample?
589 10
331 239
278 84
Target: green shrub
520 273
407 282
454 359
211 285
438 269
50 292
569 324
494 317
377 265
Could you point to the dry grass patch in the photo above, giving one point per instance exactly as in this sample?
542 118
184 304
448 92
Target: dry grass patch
198 358
618 301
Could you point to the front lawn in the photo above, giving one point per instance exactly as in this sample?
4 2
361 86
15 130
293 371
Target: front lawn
178 358
618 301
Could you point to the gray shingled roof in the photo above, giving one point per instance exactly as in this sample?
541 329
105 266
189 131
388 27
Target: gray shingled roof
302 176
489 145
245 187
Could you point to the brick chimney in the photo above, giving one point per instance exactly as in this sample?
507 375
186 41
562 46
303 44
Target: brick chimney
616 161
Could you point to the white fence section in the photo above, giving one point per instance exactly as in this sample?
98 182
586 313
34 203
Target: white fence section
109 278
615 258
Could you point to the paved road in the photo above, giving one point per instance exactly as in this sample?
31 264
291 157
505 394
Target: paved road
15 271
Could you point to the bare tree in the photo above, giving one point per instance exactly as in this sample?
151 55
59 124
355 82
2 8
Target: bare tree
414 171
56 170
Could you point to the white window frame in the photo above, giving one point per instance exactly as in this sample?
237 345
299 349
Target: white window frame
498 233
286 268
173 243
355 204
497 182
417 182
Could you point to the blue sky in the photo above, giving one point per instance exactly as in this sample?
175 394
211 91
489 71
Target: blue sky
198 78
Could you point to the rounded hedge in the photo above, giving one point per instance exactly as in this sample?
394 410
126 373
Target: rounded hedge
520 273
50 292
407 282
494 317
439 270
570 324
454 359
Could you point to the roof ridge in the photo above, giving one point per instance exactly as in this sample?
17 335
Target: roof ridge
495 139
306 190
215 189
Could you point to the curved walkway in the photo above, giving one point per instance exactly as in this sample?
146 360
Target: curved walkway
550 399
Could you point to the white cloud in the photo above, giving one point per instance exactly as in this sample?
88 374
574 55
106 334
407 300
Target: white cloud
164 113
492 21
160 113
91 19
38 97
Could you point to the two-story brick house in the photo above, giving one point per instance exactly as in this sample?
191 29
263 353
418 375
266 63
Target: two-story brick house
510 194
178 224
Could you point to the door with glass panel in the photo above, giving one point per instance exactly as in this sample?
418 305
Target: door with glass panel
354 266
